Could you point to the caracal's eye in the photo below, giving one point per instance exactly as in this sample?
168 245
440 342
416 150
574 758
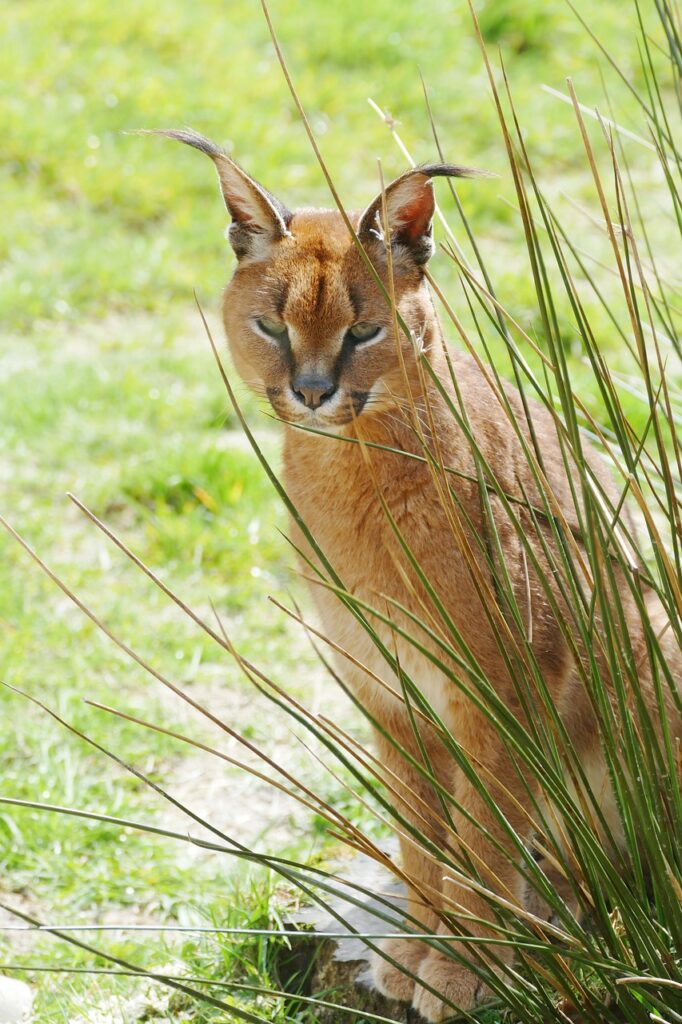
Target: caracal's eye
362 332
273 328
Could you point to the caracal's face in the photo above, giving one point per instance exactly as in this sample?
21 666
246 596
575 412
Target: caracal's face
307 323
309 328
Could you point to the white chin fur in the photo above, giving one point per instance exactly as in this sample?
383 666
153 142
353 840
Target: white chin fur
318 419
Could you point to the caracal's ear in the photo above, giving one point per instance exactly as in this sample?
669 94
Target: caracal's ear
409 207
258 219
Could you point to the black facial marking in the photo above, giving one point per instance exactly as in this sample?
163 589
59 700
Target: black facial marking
319 298
281 299
284 346
354 299
348 346
359 398
343 357
288 356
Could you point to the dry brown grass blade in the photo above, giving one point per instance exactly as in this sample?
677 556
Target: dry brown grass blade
569 528
316 806
391 125
390 779
342 651
482 583
136 560
669 568
128 651
634 319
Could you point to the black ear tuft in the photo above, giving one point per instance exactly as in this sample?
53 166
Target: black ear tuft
189 137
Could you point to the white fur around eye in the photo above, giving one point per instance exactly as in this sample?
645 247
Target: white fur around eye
358 343
255 327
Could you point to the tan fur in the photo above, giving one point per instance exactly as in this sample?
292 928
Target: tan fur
314 280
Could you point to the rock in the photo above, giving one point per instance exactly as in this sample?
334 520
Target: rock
16 1001
338 969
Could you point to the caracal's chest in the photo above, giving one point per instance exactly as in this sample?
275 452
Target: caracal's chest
360 515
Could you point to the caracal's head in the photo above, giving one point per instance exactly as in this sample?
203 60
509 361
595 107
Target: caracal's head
306 322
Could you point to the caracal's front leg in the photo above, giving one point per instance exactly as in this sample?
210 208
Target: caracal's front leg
417 802
447 985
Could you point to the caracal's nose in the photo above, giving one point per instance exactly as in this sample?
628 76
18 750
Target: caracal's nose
313 390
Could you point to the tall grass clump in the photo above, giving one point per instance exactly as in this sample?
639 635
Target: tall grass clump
601 938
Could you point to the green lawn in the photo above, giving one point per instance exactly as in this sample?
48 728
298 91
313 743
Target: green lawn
108 390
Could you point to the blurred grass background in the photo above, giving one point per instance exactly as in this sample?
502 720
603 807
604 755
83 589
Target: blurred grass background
97 222
107 388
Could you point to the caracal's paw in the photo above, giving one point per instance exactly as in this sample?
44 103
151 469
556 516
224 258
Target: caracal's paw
390 980
457 988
